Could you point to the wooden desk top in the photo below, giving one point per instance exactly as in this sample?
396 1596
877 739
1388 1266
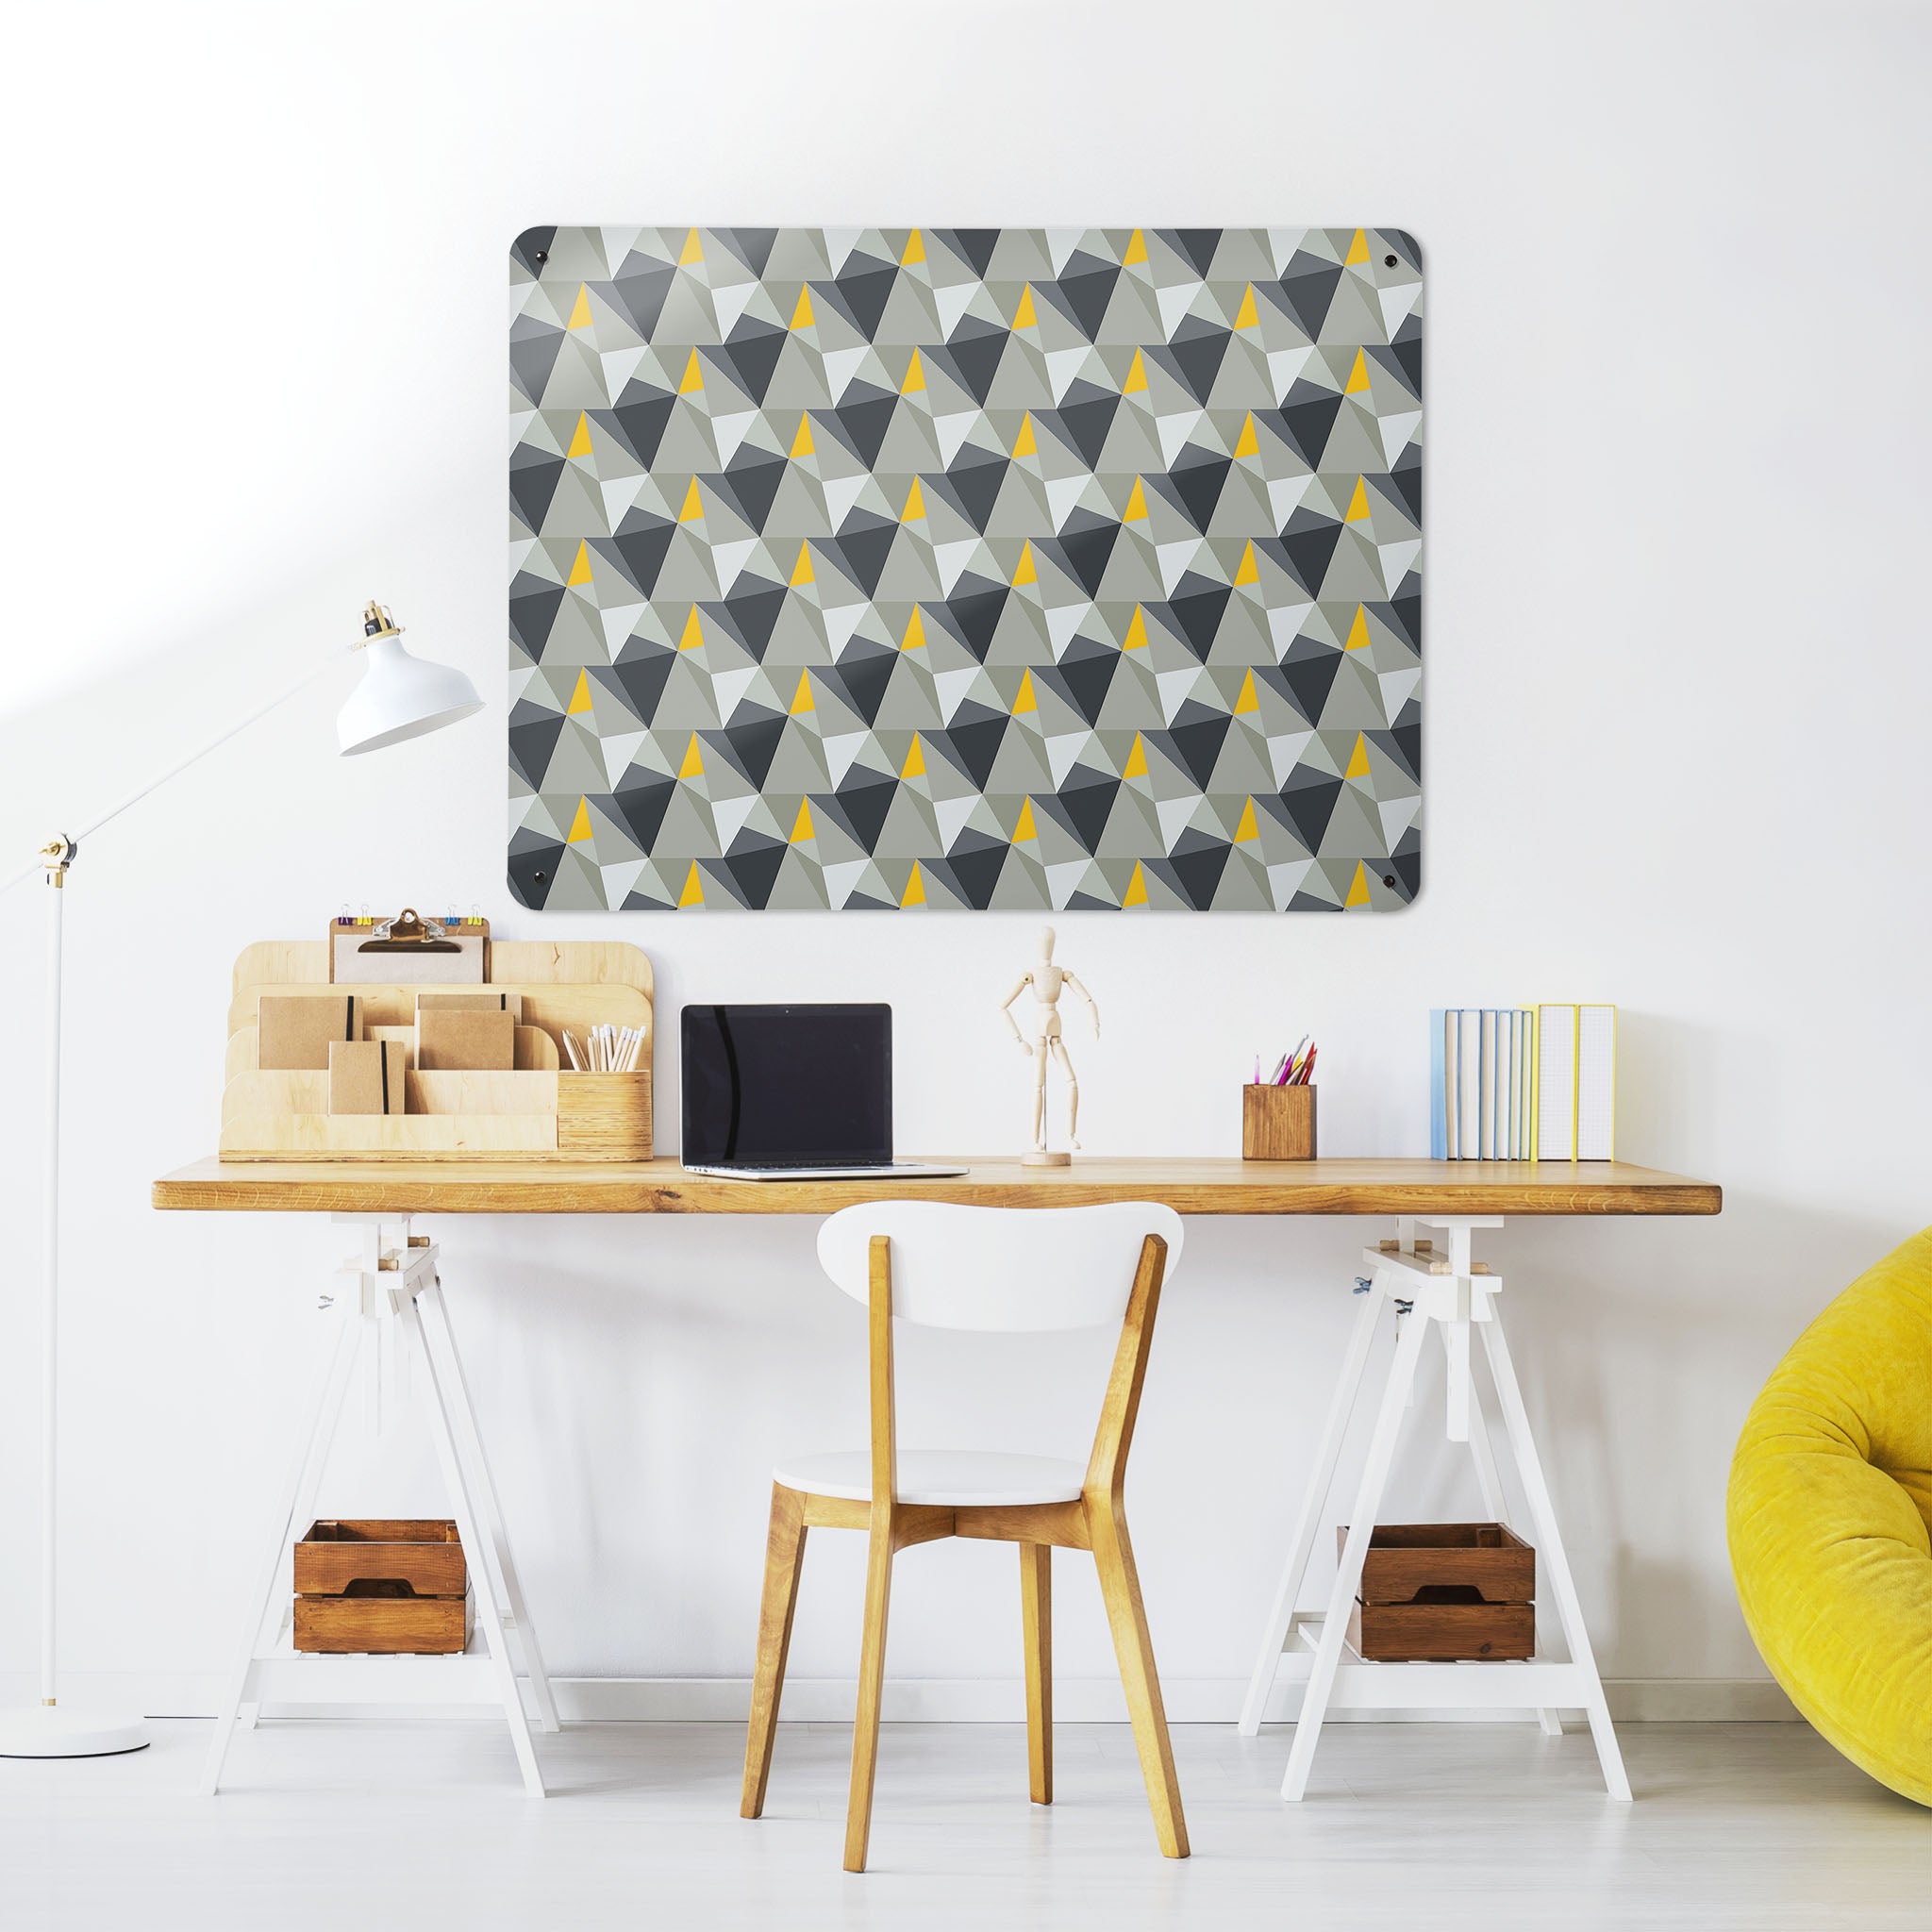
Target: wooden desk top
1190 1187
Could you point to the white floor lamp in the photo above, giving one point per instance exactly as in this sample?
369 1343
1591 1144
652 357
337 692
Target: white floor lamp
399 697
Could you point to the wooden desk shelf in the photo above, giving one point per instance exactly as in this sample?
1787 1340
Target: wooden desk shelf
537 1112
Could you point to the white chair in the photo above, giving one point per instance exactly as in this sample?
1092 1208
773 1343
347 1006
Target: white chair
1012 1271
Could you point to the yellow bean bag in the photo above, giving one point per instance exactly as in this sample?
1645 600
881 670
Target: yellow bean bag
1831 1494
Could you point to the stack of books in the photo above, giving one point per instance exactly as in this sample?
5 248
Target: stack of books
1523 1083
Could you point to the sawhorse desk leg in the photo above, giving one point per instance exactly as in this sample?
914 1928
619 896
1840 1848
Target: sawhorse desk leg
392 1290
1454 1294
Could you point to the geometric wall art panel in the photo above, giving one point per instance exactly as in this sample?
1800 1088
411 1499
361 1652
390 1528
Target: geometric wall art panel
965 568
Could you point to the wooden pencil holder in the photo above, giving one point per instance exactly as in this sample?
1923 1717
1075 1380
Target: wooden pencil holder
1278 1123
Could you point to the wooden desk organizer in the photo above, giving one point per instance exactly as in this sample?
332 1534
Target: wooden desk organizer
539 1111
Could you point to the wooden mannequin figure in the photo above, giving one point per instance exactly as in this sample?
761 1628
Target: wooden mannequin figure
1046 980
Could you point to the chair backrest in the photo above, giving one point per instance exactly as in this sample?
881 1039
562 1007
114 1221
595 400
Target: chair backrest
1009 1270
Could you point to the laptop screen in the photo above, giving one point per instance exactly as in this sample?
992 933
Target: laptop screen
788 1086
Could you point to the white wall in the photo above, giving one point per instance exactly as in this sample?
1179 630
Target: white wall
1677 754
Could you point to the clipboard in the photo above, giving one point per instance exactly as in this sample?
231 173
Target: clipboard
448 952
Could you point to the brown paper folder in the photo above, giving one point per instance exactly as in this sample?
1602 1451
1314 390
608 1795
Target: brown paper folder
484 999
451 1039
366 1075
294 1030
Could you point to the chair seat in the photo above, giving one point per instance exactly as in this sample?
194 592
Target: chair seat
950 1478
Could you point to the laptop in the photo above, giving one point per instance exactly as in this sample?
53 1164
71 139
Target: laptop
792 1094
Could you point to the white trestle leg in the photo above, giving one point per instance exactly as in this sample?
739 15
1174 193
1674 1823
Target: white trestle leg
1441 1289
389 1307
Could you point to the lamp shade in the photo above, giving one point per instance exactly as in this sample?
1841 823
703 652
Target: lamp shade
400 697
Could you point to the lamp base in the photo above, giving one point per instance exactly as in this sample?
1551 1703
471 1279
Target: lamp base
50 1730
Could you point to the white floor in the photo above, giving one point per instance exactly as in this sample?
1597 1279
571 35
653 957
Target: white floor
347 1827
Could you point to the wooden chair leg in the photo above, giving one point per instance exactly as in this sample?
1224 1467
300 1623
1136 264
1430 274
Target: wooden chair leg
784 1554
872 1680
1036 1617
1119 1587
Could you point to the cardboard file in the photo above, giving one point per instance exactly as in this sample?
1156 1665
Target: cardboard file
366 1075
451 1039
294 1030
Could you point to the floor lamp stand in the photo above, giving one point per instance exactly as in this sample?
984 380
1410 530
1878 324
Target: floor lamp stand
45 1729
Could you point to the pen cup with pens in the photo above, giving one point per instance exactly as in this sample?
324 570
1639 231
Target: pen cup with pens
1278 1113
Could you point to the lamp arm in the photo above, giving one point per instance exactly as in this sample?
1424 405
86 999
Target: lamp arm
308 677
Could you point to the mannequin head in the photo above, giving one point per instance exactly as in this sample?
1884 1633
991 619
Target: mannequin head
1046 942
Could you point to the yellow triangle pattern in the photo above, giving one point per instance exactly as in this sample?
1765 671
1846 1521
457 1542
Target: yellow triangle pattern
1359 886
694 893
915 376
1136 504
1247 443
915 503
1359 638
1249 700
1136 639
801 571
802 698
1357 376
1025 701
581 443
915 250
801 311
1250 572
1025 571
1245 316
1135 894
1024 827
801 444
1136 766
1137 375
1024 316
580 825
1358 758
1024 444
694 505
693 377
915 632
914 766
579 698
914 893
694 250
801 825
1247 828
580 316
1136 250
1359 503
694 765
692 636
1358 250
580 567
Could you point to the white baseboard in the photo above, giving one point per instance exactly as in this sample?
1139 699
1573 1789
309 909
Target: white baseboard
941 1700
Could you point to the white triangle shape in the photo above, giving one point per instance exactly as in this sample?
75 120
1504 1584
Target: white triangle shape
952 432
1285 881
842 753
617 753
1285 754
1174 303
1395 559
731 430
1396 432
1175 430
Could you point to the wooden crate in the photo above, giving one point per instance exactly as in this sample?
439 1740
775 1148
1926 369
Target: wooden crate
384 1585
1444 1593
